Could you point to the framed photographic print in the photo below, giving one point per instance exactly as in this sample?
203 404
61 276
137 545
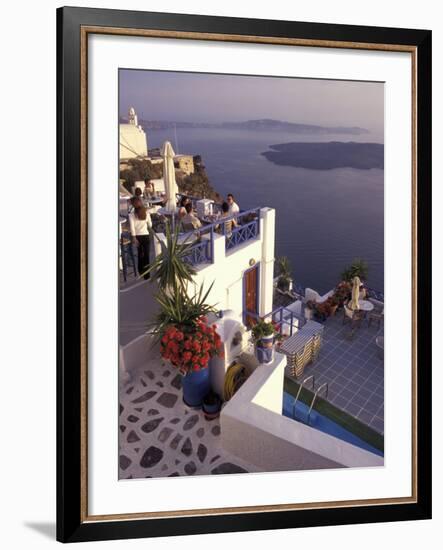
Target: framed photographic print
244 274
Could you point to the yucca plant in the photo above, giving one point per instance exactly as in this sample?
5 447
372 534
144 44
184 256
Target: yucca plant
180 309
170 268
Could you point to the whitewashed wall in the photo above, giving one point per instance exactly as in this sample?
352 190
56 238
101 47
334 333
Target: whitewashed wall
133 142
254 429
228 269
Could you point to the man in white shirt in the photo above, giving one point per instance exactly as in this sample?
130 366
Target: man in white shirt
233 206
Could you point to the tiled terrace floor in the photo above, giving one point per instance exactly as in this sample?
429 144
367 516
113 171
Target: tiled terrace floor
353 369
159 436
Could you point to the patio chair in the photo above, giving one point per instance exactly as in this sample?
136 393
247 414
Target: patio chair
354 317
228 228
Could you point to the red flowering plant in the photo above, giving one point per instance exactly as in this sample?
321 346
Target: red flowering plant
189 349
186 338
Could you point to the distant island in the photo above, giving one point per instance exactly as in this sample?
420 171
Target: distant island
265 124
328 155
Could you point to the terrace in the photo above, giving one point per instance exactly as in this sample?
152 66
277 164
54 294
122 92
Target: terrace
350 363
353 368
201 241
161 436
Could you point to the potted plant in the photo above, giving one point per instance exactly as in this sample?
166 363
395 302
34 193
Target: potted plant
342 292
187 341
333 303
284 274
321 311
358 268
264 333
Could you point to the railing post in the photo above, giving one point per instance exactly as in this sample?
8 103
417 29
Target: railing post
212 244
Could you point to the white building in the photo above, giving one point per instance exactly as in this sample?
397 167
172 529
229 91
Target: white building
239 265
239 262
133 141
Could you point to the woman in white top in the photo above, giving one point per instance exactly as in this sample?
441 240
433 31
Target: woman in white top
140 223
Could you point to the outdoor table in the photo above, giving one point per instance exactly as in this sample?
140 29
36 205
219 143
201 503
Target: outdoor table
364 305
165 212
209 219
153 201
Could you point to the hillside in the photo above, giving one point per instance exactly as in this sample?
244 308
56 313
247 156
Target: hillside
327 155
259 125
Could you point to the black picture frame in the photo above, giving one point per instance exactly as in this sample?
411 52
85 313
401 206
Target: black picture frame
72 526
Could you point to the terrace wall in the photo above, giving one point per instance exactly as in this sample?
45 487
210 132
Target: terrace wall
228 268
254 429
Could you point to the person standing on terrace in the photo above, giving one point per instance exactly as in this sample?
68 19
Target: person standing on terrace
140 224
234 209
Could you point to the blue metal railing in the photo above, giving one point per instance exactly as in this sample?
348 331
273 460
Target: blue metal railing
247 228
202 250
282 316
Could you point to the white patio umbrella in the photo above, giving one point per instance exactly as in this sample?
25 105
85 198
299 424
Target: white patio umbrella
169 176
355 293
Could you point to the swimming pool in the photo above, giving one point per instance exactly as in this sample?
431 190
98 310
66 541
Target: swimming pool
323 424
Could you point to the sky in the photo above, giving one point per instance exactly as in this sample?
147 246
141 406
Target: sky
198 97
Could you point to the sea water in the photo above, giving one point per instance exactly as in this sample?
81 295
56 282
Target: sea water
324 218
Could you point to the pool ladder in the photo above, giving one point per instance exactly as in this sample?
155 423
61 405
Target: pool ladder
314 398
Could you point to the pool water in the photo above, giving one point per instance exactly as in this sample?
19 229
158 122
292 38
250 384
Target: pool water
323 424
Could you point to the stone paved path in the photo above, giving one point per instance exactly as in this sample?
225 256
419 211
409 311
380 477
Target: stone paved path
159 436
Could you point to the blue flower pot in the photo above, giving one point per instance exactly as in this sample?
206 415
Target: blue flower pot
264 355
196 385
267 341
